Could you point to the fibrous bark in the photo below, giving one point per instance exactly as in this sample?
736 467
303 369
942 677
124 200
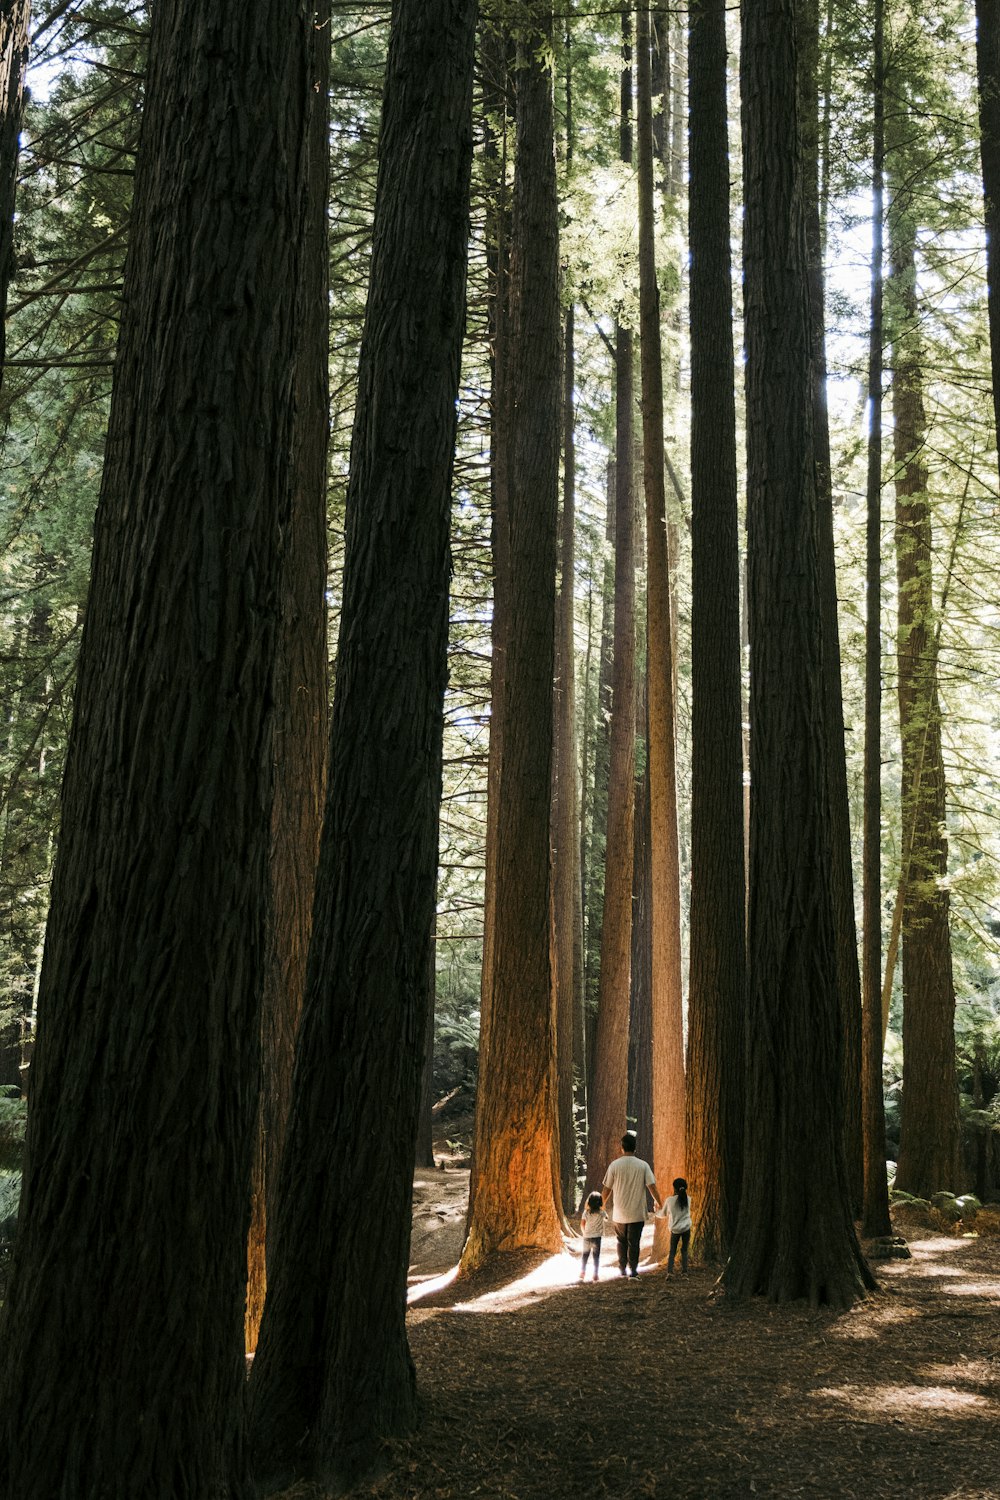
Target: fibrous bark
795 1236
123 1359
516 1135
333 1372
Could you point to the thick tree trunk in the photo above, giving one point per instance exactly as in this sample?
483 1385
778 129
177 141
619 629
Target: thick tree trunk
300 695
333 1372
122 1346
668 1032
795 1236
14 18
609 1101
988 59
929 1135
566 844
716 997
841 858
516 1135
875 1219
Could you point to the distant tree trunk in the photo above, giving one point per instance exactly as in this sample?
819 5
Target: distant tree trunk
668 1034
716 996
594 862
795 1235
988 58
609 1102
566 844
640 1073
425 1119
300 696
14 19
876 1191
122 1345
495 85
841 857
333 1373
929 1135
516 1133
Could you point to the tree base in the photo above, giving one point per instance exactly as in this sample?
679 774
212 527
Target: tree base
887 1247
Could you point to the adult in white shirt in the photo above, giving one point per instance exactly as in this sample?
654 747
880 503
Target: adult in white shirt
625 1184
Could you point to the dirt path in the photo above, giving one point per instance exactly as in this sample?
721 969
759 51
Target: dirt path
542 1388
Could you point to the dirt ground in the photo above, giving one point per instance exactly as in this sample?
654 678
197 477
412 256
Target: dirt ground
534 1387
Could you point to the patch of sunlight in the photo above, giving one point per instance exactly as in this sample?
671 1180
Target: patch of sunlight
553 1275
906 1400
990 1290
425 1286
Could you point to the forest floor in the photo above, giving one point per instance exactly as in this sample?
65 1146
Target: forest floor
535 1387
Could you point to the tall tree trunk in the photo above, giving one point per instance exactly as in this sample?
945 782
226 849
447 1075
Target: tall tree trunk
424 1153
875 1219
668 1033
594 861
841 857
988 60
795 1235
333 1372
123 1351
640 1072
610 1073
14 19
716 996
566 844
929 1136
300 695
516 1133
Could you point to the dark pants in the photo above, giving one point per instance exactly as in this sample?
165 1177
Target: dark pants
684 1239
591 1248
628 1245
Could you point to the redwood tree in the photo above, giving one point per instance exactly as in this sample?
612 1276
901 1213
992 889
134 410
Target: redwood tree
515 1162
795 1236
988 60
333 1371
300 692
609 1101
667 1024
122 1345
718 887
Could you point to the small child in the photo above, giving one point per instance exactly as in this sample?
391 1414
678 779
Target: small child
678 1211
593 1222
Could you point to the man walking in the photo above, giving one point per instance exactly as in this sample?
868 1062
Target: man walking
625 1184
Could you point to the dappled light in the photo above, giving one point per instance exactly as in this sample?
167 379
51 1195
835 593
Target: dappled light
907 1400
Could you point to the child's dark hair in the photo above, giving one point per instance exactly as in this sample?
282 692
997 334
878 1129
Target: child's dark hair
680 1188
594 1201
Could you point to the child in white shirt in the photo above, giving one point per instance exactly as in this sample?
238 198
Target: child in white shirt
593 1223
678 1210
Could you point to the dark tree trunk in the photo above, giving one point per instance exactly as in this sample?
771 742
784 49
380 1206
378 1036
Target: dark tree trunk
609 1102
716 997
929 1134
424 1156
14 18
988 59
875 1219
516 1135
841 858
667 1025
300 694
123 1334
795 1236
333 1372
566 845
